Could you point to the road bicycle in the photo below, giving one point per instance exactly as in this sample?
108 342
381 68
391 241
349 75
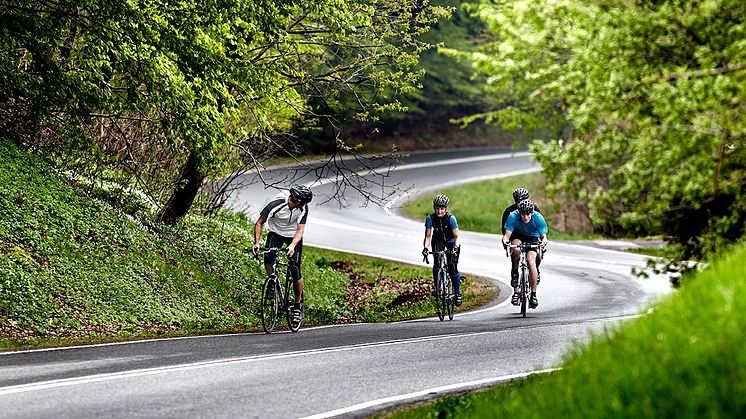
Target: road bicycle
442 295
276 299
524 285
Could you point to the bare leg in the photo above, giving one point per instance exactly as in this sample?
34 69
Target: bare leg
298 285
515 259
532 271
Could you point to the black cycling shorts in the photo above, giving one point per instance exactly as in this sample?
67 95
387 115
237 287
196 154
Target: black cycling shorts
276 240
527 239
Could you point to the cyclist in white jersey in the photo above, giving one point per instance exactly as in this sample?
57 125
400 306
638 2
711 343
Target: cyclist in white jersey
286 222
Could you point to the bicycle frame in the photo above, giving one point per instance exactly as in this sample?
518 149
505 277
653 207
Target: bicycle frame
524 285
443 294
276 298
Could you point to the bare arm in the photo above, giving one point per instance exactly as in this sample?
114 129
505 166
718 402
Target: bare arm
506 237
296 238
258 230
428 236
257 234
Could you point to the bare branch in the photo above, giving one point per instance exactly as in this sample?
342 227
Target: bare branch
730 68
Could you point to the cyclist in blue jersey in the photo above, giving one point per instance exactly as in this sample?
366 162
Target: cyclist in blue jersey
441 231
524 225
286 222
519 194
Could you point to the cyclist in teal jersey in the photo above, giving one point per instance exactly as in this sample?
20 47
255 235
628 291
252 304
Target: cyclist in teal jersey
524 225
519 194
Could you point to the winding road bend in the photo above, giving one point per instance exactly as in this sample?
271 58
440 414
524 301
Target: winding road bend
347 370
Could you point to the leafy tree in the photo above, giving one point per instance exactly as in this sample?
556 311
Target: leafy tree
450 89
653 94
117 80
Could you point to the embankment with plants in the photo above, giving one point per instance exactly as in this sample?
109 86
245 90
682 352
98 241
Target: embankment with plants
79 266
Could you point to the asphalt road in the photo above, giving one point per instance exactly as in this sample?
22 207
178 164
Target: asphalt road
349 370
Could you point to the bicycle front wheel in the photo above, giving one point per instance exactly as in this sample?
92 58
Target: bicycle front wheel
449 301
440 295
524 291
270 304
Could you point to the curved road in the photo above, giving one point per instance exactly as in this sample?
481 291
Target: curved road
349 370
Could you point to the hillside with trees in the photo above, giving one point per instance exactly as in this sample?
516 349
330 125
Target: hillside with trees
162 96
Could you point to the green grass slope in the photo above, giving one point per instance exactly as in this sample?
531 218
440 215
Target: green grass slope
75 267
72 266
685 360
479 206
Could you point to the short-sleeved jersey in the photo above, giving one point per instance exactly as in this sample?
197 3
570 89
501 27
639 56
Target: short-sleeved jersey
534 228
442 227
281 219
510 209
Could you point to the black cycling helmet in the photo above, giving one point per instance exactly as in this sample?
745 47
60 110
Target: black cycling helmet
526 207
440 201
520 194
301 193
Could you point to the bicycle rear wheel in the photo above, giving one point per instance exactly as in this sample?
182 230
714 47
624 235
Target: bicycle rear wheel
270 304
293 326
440 307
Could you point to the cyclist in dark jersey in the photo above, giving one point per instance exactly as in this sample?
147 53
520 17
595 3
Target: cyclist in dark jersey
526 226
286 222
441 230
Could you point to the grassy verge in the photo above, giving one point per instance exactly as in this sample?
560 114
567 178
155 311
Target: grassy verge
686 359
379 290
76 268
479 207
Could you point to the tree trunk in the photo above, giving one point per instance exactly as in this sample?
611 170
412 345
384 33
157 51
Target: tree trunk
186 191
719 162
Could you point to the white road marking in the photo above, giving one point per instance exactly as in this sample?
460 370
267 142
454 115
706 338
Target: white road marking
410 166
428 392
389 204
379 232
66 382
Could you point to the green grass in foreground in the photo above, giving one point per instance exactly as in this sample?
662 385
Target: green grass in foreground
479 206
75 268
685 360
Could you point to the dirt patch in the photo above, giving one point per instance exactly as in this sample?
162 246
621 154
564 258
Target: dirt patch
364 296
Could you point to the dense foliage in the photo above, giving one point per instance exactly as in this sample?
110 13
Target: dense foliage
73 265
647 99
165 89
